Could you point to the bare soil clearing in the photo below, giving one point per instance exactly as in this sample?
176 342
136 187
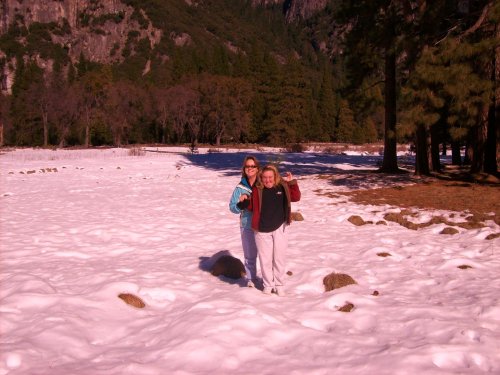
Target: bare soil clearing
476 198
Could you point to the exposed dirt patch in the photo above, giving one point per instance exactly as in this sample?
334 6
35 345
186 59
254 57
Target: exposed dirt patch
472 199
475 202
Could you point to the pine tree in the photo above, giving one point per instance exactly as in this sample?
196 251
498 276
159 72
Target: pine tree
292 114
448 93
25 115
346 124
327 107
369 130
375 29
267 78
5 122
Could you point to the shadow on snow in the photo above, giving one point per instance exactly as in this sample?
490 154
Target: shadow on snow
354 171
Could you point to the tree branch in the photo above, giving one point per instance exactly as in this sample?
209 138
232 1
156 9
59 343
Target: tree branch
478 23
471 29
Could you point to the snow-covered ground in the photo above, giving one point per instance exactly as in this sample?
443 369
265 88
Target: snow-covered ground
97 223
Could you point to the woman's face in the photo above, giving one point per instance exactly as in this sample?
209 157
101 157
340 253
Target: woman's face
250 168
268 179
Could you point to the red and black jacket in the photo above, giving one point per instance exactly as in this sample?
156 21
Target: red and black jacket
292 193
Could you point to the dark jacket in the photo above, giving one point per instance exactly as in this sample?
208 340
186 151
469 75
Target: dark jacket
292 193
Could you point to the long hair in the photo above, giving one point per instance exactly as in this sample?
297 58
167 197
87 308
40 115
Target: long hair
272 168
254 159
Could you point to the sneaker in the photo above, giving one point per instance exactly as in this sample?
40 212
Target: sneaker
250 284
280 291
267 290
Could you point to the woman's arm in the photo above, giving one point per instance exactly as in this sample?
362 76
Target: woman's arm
233 202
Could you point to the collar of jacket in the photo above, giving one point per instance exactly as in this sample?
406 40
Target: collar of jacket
245 185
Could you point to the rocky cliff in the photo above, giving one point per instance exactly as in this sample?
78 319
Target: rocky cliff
296 9
98 29
104 31
303 9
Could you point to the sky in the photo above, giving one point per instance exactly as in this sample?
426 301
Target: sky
79 227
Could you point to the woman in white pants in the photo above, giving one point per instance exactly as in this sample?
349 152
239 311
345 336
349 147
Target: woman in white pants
270 203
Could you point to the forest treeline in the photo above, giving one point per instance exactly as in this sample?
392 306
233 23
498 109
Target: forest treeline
409 71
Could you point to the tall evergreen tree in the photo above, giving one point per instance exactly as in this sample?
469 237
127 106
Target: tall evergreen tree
267 78
327 107
375 29
291 116
447 89
25 114
4 117
345 123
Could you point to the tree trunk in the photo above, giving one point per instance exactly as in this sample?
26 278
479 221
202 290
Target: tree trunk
390 161
87 136
422 151
1 135
118 140
435 141
469 147
492 139
45 129
219 131
456 157
490 147
478 147
87 128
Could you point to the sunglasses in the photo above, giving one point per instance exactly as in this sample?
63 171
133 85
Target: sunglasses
250 166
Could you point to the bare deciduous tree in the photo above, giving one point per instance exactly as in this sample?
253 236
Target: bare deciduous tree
66 111
122 108
185 111
225 105
161 98
92 89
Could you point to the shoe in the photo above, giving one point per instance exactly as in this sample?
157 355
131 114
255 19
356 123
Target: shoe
280 291
267 290
250 284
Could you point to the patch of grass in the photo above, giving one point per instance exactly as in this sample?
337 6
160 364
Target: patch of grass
136 151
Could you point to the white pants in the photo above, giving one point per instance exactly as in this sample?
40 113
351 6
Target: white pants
272 247
249 252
